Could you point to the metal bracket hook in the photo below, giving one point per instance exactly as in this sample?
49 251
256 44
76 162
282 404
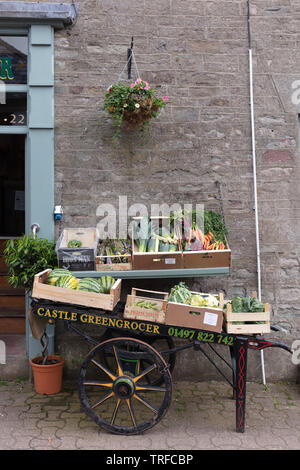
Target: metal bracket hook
35 228
129 59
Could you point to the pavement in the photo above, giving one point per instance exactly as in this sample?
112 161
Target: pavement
201 417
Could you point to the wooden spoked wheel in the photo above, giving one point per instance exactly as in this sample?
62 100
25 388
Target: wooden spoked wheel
160 343
116 393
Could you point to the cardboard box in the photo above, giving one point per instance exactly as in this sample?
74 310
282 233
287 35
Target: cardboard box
201 318
179 259
78 259
207 258
158 259
42 290
138 312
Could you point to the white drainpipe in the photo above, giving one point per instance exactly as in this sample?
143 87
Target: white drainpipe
255 181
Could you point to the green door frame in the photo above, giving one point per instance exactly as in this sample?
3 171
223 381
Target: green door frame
38 20
39 147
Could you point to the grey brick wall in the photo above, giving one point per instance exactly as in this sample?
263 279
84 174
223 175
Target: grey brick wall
195 52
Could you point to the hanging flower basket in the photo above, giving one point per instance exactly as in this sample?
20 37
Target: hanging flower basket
133 104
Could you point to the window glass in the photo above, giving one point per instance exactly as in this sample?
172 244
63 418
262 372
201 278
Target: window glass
13 59
13 110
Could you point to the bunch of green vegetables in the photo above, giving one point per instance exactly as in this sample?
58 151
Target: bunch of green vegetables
210 222
151 236
183 230
245 304
181 294
213 222
114 251
147 304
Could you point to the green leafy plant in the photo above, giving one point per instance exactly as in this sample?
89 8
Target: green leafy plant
26 257
133 104
213 222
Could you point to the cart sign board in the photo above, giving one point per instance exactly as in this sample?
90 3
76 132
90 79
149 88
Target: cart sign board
138 326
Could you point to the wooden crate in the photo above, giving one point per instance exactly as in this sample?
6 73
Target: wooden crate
140 313
114 266
250 317
78 258
207 258
88 237
190 316
41 290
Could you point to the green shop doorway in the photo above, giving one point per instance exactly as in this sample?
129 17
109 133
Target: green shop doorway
12 225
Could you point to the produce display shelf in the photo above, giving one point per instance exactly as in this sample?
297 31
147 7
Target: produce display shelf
156 273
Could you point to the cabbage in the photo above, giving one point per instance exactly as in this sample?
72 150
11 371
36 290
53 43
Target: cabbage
247 304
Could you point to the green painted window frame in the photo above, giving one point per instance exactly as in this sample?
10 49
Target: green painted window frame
39 149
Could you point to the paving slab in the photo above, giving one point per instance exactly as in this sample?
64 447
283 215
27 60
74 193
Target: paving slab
201 417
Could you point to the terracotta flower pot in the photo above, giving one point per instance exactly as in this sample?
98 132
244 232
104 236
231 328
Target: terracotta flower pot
47 377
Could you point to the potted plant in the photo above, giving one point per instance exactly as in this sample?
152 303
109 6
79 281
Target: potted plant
25 257
133 104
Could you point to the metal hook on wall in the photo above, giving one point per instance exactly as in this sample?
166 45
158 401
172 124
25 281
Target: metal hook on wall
129 59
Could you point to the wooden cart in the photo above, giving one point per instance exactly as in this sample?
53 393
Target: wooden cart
125 381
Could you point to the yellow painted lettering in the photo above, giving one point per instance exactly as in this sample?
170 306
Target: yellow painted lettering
40 311
83 318
142 326
66 316
126 324
149 328
54 314
74 316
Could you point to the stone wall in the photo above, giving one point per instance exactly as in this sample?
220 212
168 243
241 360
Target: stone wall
196 53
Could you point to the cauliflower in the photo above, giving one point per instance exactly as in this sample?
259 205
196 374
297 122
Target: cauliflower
211 301
197 300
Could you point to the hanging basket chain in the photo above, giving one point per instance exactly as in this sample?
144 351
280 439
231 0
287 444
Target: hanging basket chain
131 57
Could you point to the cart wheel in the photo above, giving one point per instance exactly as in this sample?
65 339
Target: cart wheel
119 398
160 343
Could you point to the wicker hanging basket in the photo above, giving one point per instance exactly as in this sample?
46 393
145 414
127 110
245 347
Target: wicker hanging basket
141 114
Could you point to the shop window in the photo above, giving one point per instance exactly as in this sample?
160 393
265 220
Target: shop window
13 59
13 113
